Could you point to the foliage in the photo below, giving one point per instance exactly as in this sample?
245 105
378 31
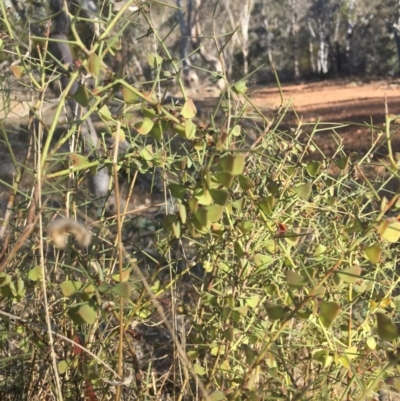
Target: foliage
276 262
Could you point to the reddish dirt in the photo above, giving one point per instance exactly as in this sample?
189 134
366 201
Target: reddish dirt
362 104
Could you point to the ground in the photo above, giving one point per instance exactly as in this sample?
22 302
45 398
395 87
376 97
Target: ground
339 101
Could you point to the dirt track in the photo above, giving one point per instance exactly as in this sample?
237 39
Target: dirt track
338 101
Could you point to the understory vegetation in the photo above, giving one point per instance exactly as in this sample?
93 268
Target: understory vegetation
231 258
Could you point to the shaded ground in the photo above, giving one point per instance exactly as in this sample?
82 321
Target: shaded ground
338 102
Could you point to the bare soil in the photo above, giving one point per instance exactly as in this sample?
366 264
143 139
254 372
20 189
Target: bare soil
359 103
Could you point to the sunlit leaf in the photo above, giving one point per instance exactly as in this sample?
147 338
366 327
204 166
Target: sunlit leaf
154 60
69 288
35 273
215 212
94 64
253 301
63 366
371 343
17 70
129 96
320 250
189 109
304 191
144 127
199 370
262 260
190 130
204 197
147 153
240 87
182 212
350 275
389 229
236 130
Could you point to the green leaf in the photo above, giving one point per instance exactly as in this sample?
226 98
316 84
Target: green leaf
236 130
82 96
148 112
245 226
387 331
262 260
389 230
5 279
343 162
147 153
82 314
201 221
225 179
267 204
215 212
129 96
158 129
177 191
220 196
125 276
295 280
240 87
304 191
190 130
371 343
63 366
144 127
118 134
313 168
253 301
320 250
233 164
189 109
246 183
329 312
122 289
203 196
35 273
94 64
78 161
216 395
199 370
69 288
182 212
274 312
350 275
105 113
238 249
154 60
